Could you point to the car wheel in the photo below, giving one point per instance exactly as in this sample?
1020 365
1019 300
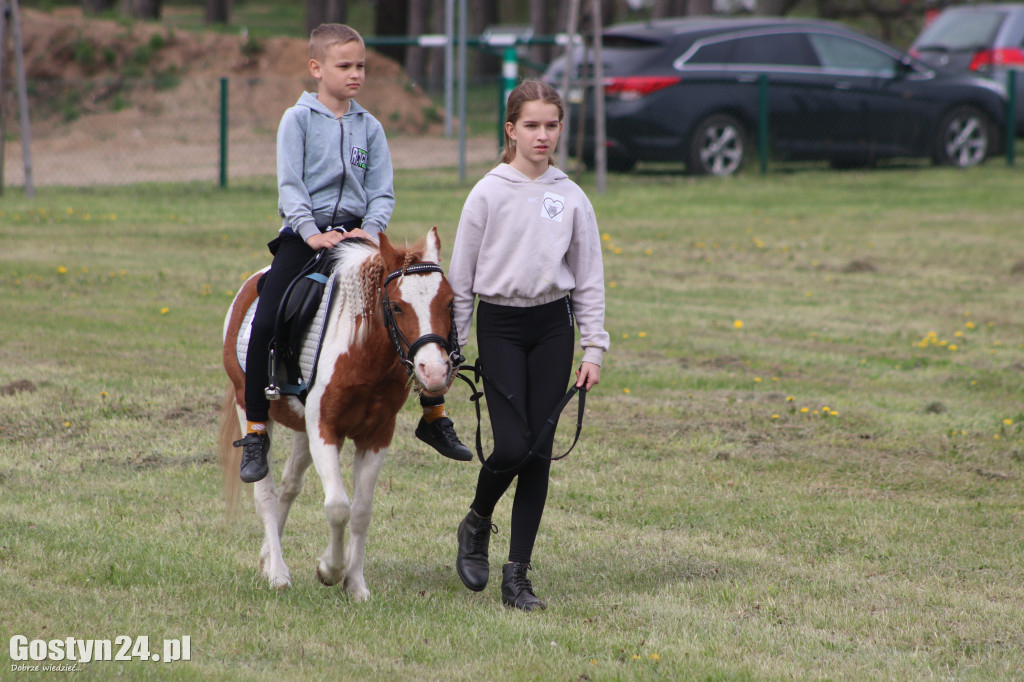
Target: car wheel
717 146
965 138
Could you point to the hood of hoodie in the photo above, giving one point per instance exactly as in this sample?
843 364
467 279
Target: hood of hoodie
308 99
507 172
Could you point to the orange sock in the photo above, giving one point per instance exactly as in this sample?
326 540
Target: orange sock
255 427
432 413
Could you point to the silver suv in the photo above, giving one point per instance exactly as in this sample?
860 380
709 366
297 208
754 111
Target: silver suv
987 40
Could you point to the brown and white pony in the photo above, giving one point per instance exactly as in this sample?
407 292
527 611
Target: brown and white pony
362 383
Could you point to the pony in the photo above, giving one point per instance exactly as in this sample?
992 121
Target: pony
383 296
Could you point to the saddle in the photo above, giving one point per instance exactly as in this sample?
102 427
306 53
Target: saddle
298 330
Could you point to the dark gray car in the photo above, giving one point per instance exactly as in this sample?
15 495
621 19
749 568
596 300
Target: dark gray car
987 40
688 90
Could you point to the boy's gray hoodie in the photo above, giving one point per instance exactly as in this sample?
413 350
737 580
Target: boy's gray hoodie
323 180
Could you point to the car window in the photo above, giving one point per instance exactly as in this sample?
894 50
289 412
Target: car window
768 50
962 30
626 54
844 54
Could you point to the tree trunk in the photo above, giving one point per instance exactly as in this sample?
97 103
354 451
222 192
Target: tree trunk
146 9
97 6
218 11
392 21
484 13
541 26
415 56
435 69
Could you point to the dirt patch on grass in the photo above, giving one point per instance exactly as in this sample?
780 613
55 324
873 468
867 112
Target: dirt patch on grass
115 103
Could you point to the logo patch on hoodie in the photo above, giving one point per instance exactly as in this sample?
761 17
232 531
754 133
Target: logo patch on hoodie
552 207
359 157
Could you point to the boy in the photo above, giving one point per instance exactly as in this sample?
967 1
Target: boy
335 181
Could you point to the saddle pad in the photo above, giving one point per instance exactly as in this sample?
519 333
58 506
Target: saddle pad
312 340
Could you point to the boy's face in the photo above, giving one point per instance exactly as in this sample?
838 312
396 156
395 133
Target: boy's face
339 72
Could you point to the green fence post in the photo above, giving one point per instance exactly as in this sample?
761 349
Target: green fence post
223 132
762 122
1011 115
509 76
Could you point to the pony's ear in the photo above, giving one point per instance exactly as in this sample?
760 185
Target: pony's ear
432 250
388 254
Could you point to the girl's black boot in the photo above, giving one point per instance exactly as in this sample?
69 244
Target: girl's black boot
516 588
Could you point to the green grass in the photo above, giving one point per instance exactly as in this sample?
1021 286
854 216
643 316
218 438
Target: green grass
716 522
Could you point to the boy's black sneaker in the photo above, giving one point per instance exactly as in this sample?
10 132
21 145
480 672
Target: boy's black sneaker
255 447
440 435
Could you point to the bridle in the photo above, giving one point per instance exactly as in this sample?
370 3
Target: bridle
407 351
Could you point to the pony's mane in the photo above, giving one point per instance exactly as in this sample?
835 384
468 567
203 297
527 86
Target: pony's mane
359 271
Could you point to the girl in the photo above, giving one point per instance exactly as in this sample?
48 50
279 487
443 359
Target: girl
528 246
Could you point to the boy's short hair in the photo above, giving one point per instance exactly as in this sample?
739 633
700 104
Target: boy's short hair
325 35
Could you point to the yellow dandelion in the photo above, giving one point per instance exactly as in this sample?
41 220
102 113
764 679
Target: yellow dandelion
757 380
625 390
1008 422
648 252
625 336
606 237
804 410
70 211
775 416
62 270
833 413
617 250
165 310
970 325
958 334
612 285
103 394
66 424
953 346
738 324
790 398
996 437
655 657
636 657
642 335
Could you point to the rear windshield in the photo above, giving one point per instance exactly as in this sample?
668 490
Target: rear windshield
624 54
962 30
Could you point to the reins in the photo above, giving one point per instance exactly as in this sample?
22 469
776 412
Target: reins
546 430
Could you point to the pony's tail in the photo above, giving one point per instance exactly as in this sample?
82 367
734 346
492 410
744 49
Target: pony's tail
229 456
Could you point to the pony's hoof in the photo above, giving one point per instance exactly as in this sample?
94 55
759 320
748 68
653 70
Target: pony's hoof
327 577
358 593
281 582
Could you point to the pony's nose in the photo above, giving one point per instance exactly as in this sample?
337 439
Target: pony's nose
433 370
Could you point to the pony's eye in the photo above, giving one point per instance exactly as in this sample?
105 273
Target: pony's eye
396 309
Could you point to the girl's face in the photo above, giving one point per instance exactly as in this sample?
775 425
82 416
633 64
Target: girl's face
535 135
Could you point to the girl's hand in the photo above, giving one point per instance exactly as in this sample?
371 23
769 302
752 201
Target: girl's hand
588 375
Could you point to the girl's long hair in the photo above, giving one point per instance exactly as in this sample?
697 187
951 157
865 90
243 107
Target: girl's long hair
528 91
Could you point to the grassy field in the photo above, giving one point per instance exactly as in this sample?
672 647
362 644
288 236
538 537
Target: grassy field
804 462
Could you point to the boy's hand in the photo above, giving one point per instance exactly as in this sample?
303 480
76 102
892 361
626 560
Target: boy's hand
325 240
358 232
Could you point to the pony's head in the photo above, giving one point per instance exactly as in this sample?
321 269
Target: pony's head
418 302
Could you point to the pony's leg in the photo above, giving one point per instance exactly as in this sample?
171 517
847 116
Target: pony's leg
366 468
271 560
294 476
330 568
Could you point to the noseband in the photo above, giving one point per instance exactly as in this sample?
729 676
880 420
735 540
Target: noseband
405 350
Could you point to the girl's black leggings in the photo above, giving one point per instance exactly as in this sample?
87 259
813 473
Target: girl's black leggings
528 352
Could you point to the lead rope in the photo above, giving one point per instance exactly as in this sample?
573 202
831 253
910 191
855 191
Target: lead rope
549 425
